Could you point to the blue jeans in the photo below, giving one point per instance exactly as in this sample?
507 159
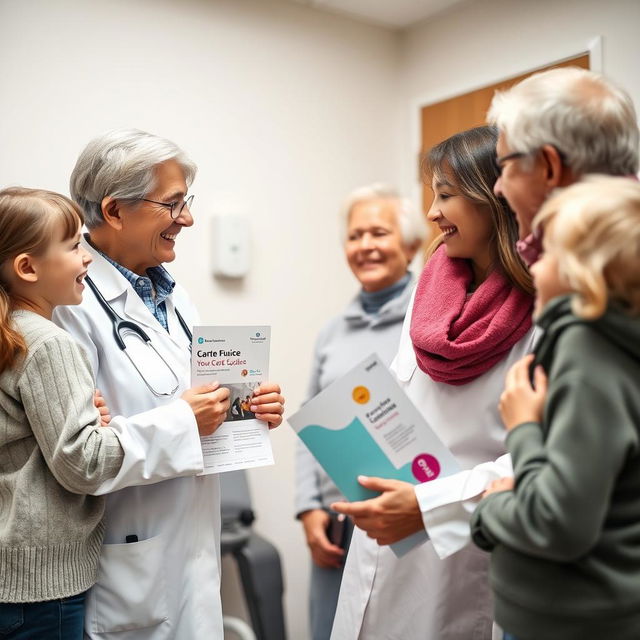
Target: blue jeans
508 636
54 619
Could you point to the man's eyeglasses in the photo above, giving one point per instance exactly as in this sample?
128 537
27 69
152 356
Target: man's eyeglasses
175 208
515 155
509 156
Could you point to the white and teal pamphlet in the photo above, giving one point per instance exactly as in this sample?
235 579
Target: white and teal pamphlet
237 358
364 424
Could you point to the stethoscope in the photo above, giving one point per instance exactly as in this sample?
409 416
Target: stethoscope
122 325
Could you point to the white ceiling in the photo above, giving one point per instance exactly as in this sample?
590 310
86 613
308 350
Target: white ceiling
395 14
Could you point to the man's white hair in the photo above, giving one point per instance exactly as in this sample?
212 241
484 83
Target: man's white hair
589 120
120 164
412 226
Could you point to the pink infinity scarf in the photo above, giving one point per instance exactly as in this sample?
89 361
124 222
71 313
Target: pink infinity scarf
457 337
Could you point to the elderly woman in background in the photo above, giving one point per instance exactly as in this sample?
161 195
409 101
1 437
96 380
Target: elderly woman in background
383 233
159 575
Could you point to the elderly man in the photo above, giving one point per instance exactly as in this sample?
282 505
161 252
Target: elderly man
554 127
160 564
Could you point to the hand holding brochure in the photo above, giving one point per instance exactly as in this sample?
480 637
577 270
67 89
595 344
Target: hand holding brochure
237 358
364 424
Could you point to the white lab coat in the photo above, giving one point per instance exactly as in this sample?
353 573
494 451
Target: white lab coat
166 585
421 596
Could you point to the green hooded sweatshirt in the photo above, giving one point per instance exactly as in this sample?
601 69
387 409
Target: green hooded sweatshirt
565 543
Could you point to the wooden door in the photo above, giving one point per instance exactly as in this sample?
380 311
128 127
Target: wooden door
443 119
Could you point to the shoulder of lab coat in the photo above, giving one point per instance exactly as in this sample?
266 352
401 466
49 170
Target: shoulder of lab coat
162 442
447 504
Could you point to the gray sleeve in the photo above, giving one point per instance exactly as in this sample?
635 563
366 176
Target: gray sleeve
70 320
56 390
307 494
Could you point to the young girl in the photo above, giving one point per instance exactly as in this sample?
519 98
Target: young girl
565 541
53 450
470 320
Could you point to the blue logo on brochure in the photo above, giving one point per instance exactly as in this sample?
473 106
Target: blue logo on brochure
200 340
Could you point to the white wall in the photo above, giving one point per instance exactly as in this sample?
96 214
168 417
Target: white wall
284 109
484 41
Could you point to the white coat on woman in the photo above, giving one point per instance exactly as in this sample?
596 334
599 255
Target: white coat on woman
167 584
421 596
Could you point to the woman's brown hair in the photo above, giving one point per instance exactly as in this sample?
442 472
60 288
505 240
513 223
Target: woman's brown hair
468 159
28 218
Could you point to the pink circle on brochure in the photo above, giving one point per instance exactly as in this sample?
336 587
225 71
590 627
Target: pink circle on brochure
425 467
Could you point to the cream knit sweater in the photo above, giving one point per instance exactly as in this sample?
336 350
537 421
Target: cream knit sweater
53 453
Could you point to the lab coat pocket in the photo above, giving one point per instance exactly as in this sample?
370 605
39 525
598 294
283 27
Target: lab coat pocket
131 588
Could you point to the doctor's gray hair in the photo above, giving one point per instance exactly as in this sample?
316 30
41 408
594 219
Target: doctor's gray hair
120 164
412 225
589 120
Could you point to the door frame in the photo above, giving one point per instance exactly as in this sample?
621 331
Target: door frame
593 48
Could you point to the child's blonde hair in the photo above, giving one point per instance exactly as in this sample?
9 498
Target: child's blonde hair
593 230
28 218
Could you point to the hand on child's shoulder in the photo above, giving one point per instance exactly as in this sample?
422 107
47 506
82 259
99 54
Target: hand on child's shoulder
520 401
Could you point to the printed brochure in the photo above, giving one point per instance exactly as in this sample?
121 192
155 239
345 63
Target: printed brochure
364 424
237 358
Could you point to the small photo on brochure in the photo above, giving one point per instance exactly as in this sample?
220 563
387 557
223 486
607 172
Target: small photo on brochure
240 400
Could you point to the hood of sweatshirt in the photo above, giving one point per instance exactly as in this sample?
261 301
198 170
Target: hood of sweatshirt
618 326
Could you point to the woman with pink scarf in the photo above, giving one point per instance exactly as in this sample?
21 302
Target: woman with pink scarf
469 321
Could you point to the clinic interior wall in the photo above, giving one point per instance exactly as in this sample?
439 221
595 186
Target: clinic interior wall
285 110
482 42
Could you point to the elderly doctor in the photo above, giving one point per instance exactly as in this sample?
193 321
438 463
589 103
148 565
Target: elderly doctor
160 565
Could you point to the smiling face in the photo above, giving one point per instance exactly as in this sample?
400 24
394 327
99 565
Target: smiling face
375 249
147 235
521 183
467 228
60 273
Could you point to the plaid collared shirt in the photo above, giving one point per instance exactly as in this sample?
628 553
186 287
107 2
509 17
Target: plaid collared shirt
158 279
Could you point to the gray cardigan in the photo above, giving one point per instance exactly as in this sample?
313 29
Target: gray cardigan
565 545
341 344
52 453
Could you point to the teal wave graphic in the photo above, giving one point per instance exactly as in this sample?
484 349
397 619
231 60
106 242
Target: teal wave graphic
349 452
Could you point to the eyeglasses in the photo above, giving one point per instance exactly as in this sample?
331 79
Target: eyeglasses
509 156
175 208
522 154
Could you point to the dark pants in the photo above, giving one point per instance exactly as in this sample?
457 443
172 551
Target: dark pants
54 619
508 636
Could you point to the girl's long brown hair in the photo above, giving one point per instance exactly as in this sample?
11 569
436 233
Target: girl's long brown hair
28 220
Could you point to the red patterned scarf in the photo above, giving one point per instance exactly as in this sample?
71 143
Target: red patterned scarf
458 337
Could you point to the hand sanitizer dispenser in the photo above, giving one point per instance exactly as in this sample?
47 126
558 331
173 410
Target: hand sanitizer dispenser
230 251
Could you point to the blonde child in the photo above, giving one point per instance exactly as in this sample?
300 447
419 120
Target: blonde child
52 449
565 540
